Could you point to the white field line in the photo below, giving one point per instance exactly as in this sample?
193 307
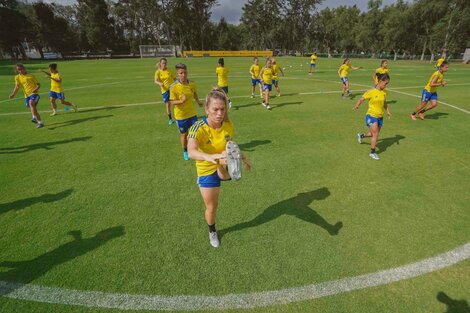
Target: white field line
125 301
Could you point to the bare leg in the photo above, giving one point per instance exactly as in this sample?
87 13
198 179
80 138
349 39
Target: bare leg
211 201
184 140
374 130
53 105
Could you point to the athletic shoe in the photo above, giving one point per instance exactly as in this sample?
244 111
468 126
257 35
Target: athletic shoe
374 156
75 108
53 113
234 160
34 120
264 104
252 96
171 122
214 239
268 107
278 95
359 137
185 155
413 117
421 115
40 125
230 104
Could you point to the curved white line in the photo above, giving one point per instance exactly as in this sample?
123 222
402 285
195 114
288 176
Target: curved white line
232 301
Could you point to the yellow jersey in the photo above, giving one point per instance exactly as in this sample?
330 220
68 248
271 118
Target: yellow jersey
222 76
210 141
440 78
28 82
379 71
56 86
254 70
276 71
186 109
344 70
376 100
268 75
439 62
313 59
166 77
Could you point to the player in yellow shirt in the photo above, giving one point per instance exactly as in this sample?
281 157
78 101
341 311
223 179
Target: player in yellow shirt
313 63
276 70
430 91
164 78
210 143
266 76
30 86
254 71
383 69
374 116
57 92
439 62
222 78
343 72
182 93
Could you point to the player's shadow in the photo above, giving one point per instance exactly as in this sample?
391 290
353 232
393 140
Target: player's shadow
436 116
37 146
453 306
108 108
25 272
254 143
354 95
76 121
384 143
24 203
276 106
244 106
297 206
391 101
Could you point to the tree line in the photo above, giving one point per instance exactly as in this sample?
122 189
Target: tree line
418 27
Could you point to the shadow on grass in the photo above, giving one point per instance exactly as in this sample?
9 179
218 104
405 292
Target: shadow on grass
384 143
354 95
391 101
24 203
76 121
252 104
109 108
25 272
254 143
453 306
297 206
436 116
276 106
44 145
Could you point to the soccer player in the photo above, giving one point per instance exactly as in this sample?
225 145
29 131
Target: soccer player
276 70
313 63
266 75
374 117
254 71
440 61
343 75
164 78
383 69
430 91
182 94
57 92
222 78
30 86
207 142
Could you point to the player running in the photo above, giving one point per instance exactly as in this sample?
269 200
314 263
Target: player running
430 91
374 116
57 92
266 75
222 78
182 94
276 70
254 71
343 75
30 86
210 144
383 69
313 63
164 78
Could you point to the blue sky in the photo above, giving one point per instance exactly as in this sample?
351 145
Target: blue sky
232 9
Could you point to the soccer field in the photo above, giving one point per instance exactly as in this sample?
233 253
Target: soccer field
100 213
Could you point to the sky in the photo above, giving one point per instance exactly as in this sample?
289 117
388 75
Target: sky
232 9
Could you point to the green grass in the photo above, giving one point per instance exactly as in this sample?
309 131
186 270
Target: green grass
120 171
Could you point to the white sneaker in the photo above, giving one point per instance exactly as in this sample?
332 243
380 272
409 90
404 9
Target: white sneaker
230 104
75 108
214 239
53 113
374 156
252 95
268 107
359 138
264 104
234 160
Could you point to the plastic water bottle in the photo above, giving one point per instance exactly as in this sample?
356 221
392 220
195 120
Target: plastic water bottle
66 109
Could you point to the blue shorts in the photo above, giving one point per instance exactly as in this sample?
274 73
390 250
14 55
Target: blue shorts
210 181
344 79
184 125
255 82
427 96
56 95
34 97
371 120
267 87
275 82
225 89
166 96
313 64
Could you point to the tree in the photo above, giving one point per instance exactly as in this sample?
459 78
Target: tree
12 19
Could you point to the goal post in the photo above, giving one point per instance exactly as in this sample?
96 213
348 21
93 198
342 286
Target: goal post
151 51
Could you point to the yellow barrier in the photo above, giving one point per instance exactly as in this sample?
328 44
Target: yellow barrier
214 53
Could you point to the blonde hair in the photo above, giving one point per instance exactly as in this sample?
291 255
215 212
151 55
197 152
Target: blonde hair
218 93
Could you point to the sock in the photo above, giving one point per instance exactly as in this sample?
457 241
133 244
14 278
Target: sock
185 149
414 113
362 135
34 117
372 150
211 228
169 116
422 111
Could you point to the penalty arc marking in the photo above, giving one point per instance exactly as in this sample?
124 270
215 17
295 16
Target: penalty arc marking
232 301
